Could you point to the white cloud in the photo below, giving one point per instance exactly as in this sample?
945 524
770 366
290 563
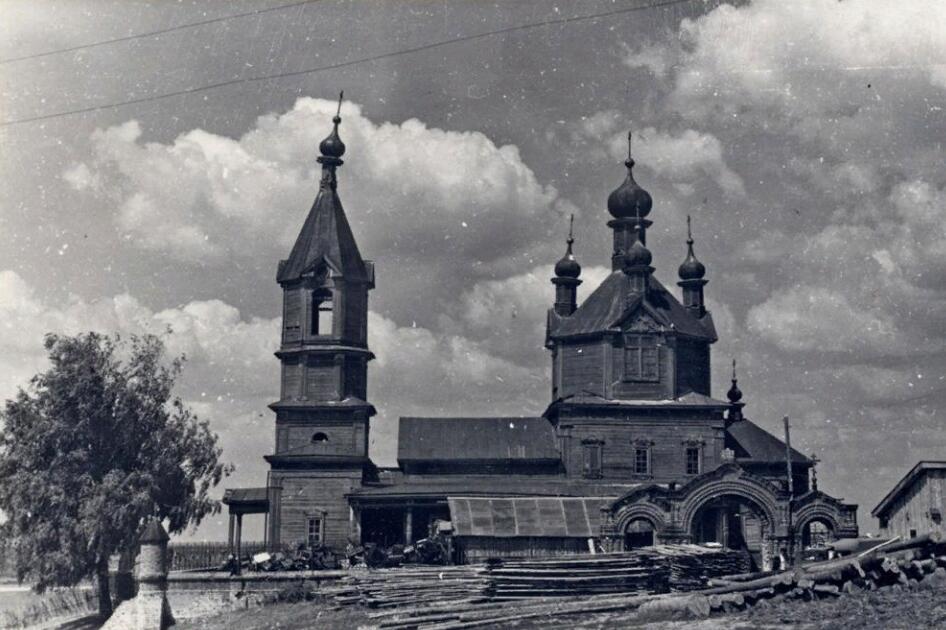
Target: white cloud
816 318
205 197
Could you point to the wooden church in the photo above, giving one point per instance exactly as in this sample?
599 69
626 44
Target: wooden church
632 450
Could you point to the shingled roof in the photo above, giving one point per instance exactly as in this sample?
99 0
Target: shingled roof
325 236
750 441
614 300
487 439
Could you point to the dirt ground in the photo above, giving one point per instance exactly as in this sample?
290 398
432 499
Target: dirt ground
886 609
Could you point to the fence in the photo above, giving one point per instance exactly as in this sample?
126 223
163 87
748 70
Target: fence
205 555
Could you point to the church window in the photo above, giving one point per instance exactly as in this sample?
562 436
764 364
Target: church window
314 530
322 311
641 358
693 460
319 438
592 460
641 460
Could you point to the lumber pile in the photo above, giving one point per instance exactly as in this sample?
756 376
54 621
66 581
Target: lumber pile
903 565
412 587
658 569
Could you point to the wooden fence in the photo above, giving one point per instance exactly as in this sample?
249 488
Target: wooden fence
205 555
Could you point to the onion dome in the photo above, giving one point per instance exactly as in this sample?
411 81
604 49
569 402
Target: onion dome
691 269
734 394
333 146
568 267
629 199
638 255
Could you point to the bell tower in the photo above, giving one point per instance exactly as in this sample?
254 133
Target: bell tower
322 415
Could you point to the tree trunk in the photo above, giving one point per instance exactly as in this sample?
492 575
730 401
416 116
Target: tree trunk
105 597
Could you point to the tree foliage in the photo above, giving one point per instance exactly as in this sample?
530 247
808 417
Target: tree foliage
93 447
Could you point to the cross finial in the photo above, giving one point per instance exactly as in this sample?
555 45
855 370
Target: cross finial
630 137
689 231
734 369
341 95
571 226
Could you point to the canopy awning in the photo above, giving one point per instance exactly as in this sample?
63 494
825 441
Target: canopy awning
559 517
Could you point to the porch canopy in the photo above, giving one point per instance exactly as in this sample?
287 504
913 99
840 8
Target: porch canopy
508 517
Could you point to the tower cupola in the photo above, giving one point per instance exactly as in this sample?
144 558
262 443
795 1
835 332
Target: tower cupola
566 279
691 278
629 204
333 147
735 399
629 200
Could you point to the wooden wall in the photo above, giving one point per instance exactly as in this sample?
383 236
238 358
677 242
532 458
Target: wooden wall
307 493
346 436
667 437
912 510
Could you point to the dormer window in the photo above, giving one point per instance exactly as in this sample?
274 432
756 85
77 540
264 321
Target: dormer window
641 358
322 312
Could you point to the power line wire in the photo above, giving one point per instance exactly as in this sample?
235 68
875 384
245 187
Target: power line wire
346 64
171 29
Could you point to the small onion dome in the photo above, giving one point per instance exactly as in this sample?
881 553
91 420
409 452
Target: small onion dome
638 255
734 394
629 199
333 146
691 269
568 267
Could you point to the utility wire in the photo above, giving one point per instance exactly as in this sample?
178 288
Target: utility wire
346 64
171 29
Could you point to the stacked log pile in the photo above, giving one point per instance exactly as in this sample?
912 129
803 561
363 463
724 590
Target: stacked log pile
903 565
411 587
658 569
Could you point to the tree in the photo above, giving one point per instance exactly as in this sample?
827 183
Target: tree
91 449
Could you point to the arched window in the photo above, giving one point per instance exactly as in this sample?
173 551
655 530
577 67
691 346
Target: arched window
319 438
322 311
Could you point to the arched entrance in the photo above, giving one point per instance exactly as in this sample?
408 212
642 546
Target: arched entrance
817 533
736 522
639 532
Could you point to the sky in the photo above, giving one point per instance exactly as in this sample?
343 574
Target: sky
804 138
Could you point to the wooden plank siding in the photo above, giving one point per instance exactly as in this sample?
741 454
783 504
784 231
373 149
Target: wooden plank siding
311 494
913 510
666 437
583 369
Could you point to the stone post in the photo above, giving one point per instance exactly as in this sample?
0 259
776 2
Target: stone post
149 610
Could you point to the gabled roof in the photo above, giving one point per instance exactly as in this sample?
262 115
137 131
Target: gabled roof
486 439
614 300
325 237
751 441
904 484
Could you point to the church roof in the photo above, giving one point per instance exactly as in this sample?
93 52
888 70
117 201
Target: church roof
753 442
614 299
494 439
325 236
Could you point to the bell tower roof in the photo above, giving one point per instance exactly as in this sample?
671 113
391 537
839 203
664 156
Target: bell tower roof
326 236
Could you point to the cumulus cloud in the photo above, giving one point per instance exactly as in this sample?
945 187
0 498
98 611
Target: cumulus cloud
679 156
205 197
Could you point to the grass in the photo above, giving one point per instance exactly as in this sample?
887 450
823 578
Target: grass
20 607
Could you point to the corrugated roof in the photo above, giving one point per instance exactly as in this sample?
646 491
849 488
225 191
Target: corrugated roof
325 235
571 517
904 484
614 299
760 445
457 439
